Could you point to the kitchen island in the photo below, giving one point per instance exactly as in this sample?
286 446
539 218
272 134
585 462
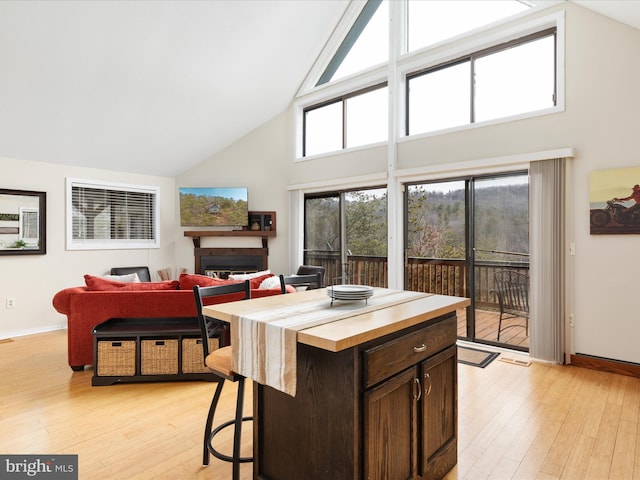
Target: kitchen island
376 390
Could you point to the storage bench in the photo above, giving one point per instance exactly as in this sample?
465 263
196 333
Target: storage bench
149 350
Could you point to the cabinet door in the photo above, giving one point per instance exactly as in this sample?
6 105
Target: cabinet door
390 427
439 413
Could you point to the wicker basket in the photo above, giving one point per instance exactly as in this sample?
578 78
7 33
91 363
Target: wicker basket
116 358
159 356
192 355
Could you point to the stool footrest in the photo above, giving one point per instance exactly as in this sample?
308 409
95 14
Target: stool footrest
217 453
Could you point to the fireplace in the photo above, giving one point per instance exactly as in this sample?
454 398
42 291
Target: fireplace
222 262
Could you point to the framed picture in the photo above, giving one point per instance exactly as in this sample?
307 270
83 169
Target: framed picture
23 222
614 201
214 207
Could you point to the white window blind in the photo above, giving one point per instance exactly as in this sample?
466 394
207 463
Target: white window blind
109 215
547 224
29 226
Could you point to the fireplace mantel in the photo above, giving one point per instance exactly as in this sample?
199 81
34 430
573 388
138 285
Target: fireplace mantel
266 222
236 259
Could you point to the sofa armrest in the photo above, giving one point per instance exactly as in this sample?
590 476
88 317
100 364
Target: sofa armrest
62 300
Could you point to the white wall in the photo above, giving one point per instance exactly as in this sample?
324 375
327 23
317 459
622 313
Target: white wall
602 100
259 161
34 279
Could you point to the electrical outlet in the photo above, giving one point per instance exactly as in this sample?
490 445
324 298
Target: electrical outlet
11 302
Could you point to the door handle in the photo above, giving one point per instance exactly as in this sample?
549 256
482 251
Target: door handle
427 390
417 389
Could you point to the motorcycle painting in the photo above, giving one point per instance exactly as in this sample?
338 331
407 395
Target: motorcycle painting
620 210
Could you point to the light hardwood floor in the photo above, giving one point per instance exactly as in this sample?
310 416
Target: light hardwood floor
537 422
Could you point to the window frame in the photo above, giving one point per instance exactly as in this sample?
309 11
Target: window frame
28 224
340 195
471 58
109 243
401 62
337 99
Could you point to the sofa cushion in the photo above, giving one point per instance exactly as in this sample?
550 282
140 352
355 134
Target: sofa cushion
143 272
270 282
189 280
101 284
257 281
128 278
249 276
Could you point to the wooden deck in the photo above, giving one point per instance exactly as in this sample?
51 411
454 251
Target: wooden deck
487 328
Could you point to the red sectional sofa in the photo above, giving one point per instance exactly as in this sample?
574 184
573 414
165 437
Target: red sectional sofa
88 306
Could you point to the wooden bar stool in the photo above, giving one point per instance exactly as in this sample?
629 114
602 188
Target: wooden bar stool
219 362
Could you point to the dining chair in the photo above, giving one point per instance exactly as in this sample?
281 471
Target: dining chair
143 272
310 281
219 362
512 290
310 269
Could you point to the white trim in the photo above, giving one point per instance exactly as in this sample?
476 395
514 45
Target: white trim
467 44
371 180
333 43
296 235
569 285
343 151
484 165
105 244
33 331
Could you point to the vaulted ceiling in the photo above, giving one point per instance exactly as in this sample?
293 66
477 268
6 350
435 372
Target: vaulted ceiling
156 87
149 86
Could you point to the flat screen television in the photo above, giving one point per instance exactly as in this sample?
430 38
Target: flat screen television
214 207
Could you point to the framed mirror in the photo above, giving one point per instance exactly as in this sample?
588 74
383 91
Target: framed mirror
23 222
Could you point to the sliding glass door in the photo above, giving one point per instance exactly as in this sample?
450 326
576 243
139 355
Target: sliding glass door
500 259
461 236
346 232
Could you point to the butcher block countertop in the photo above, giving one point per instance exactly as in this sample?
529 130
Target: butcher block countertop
356 328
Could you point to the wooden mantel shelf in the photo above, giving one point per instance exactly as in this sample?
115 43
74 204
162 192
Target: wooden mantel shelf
266 221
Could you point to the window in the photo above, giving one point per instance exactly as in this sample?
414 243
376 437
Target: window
515 80
502 73
441 99
510 79
111 216
346 233
364 46
350 121
437 20
30 225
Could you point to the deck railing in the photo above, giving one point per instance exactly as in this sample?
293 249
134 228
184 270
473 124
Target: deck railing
441 276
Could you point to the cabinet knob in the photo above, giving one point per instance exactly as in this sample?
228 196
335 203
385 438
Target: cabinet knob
417 389
419 348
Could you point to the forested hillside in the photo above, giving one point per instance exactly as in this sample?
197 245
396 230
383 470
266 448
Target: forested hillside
435 225
206 210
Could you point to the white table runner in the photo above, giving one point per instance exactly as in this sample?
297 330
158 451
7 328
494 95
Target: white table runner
272 334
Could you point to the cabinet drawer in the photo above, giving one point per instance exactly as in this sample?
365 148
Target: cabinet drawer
395 355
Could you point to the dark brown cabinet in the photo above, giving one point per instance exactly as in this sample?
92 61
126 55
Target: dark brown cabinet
439 404
390 440
411 418
385 410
